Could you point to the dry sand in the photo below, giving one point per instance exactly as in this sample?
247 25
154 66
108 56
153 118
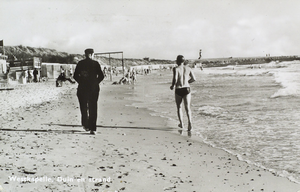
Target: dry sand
132 151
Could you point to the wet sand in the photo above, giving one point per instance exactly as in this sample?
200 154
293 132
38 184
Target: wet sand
44 148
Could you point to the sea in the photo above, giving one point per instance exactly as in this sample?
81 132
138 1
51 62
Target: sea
251 111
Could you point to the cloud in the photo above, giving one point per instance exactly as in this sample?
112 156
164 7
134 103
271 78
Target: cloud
157 29
36 41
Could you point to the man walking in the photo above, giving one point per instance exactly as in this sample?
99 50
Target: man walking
88 74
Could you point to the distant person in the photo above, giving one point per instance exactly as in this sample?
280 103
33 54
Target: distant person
35 73
62 71
70 76
117 71
88 74
201 67
25 75
70 72
29 76
62 77
133 76
105 72
200 54
182 77
127 77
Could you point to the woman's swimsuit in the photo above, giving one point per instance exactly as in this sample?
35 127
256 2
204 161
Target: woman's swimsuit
182 92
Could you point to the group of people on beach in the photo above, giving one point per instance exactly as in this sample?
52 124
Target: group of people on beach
129 78
63 77
110 71
88 74
31 76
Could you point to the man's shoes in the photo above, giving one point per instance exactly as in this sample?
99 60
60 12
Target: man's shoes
86 128
93 132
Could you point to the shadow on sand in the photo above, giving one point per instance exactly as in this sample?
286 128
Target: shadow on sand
42 130
72 131
118 127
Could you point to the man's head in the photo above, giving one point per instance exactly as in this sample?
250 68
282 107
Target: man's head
89 53
180 59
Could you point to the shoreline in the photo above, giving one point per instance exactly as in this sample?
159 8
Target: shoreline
135 150
197 136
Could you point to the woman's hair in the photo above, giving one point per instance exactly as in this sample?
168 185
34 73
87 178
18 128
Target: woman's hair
180 59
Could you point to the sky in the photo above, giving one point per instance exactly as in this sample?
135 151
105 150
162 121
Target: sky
158 29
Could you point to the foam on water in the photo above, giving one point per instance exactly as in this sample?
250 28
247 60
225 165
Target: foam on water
289 79
212 111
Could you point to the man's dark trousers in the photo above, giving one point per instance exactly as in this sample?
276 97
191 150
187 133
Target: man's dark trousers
88 107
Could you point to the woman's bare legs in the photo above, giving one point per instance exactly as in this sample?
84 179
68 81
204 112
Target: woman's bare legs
187 105
178 100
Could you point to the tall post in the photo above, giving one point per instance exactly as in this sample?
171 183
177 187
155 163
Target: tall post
110 67
2 44
105 53
123 66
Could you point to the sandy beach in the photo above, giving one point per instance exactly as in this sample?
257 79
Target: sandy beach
44 148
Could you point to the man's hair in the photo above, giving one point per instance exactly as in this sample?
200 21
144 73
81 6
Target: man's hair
180 59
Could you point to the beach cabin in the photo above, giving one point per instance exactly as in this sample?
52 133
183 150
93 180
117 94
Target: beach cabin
53 70
18 68
3 69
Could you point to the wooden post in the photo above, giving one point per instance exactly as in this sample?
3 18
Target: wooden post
2 43
105 53
110 68
123 66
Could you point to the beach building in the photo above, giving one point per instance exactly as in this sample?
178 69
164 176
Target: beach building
20 70
3 69
53 70
17 68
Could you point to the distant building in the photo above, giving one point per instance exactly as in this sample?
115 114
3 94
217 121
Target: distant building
34 62
3 63
3 68
52 70
146 58
17 67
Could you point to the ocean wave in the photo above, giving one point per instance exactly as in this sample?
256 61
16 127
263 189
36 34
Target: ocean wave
283 64
239 72
211 111
286 92
234 113
289 81
240 104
